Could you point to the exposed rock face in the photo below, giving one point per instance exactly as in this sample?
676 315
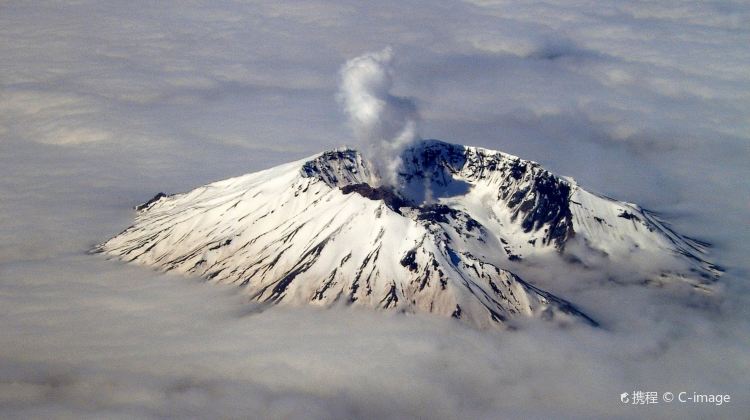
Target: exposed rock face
536 198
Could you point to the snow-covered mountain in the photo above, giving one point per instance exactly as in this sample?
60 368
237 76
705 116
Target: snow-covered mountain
322 231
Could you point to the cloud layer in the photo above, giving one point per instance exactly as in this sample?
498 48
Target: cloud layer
105 103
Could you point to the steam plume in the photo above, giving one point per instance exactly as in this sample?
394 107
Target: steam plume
384 123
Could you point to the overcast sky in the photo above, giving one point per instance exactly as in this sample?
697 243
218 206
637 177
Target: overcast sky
105 103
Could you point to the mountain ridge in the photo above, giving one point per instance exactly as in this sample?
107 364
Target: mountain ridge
324 231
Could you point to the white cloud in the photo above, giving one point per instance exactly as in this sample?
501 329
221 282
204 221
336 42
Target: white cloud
51 118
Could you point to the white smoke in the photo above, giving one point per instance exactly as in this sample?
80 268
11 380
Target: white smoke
384 123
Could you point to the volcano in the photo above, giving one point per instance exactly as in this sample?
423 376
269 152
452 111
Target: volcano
447 240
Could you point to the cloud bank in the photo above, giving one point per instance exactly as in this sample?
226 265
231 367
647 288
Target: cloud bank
385 124
105 103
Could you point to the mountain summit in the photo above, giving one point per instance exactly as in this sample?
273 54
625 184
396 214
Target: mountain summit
324 231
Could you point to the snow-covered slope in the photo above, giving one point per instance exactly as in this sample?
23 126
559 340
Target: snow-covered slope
321 231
